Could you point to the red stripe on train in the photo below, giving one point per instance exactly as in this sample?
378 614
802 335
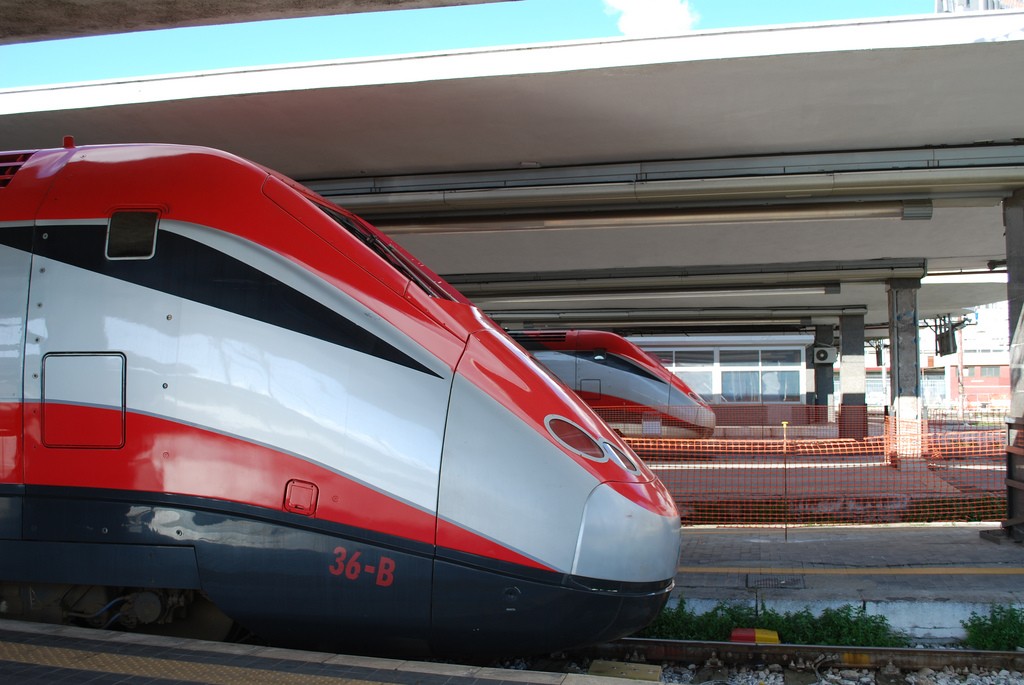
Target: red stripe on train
10 442
163 456
168 457
451 536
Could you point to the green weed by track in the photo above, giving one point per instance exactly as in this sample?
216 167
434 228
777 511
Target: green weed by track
846 625
1002 629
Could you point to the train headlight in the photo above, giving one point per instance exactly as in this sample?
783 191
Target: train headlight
621 458
574 438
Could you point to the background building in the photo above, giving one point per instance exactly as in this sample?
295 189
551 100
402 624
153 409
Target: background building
778 368
943 6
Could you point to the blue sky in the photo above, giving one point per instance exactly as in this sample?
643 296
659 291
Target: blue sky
400 32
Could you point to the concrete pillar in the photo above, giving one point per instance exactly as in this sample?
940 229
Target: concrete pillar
1013 221
809 377
853 411
824 375
905 360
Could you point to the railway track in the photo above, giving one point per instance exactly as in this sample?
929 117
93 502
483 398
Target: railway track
713 658
85 652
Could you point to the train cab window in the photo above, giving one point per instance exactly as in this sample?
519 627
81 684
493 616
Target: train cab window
614 361
132 235
389 254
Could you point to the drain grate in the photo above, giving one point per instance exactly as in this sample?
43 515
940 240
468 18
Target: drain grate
759 581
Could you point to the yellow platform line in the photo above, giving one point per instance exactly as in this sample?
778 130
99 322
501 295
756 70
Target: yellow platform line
866 571
171 669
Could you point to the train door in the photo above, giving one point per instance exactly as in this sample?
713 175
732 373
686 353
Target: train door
589 363
76 365
15 264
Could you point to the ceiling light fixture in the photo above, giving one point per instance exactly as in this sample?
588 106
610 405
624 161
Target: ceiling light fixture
637 296
907 210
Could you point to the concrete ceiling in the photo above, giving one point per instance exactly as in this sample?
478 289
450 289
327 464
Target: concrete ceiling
859 113
52 19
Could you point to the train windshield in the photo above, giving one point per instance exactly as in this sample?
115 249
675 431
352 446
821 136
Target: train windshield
394 256
617 362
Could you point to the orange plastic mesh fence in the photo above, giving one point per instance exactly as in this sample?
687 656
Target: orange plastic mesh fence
823 467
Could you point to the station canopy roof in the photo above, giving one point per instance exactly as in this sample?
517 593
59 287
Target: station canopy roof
765 178
54 19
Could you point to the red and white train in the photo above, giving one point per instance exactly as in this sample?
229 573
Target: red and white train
632 390
225 401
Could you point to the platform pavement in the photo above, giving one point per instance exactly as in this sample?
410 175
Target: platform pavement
46 654
924 578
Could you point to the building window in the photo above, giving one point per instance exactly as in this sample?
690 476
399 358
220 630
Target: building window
876 389
697 369
739 357
739 374
781 358
780 386
701 382
741 386
695 357
663 356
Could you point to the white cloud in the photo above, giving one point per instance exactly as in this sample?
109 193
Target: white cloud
646 18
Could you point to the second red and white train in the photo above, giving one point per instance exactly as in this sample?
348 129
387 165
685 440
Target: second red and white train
629 388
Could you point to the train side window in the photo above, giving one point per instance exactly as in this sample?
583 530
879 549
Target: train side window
132 234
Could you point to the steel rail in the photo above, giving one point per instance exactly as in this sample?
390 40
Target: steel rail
821 656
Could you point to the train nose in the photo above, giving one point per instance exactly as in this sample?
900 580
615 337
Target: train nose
693 411
621 539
